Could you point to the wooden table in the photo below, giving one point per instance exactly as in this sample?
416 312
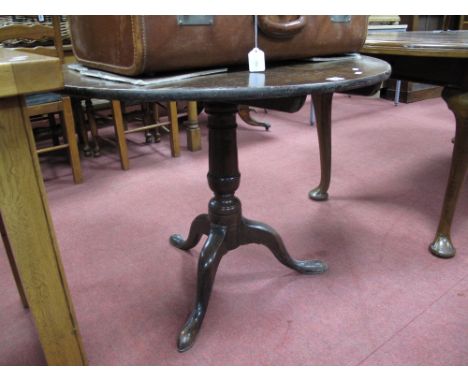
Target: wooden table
283 88
439 58
25 221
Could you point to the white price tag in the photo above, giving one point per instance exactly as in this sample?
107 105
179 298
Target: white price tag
256 60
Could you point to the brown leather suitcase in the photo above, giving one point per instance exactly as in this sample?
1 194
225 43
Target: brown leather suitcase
135 45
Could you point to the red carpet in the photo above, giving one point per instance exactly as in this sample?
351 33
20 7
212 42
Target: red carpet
384 300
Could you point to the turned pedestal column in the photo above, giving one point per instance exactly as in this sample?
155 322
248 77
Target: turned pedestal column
224 224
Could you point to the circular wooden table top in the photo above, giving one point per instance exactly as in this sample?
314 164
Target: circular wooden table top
278 81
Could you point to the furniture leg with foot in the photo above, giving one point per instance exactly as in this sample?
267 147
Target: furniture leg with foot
244 114
225 225
457 101
322 104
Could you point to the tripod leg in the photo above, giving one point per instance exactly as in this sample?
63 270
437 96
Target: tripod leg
200 226
260 233
208 263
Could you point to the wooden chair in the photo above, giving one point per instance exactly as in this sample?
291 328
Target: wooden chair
151 123
48 103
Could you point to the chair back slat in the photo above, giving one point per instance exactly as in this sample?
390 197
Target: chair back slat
32 31
36 31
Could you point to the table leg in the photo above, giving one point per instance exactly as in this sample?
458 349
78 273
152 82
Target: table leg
28 226
457 101
244 114
193 130
224 224
323 106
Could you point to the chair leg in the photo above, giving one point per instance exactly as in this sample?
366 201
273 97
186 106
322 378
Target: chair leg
53 128
93 128
124 119
71 139
157 134
174 135
193 130
11 260
151 136
80 126
120 134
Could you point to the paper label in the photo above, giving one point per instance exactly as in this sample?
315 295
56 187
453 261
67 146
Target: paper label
256 60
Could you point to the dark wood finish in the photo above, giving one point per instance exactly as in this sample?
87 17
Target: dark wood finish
457 101
151 116
80 124
285 88
281 81
224 225
323 108
92 127
245 114
441 59
415 91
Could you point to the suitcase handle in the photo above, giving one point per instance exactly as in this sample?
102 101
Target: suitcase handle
280 29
